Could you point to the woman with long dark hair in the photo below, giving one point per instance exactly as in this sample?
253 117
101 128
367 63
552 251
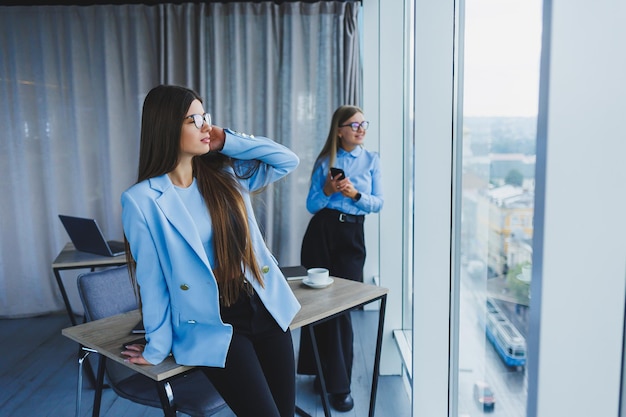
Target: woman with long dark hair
211 292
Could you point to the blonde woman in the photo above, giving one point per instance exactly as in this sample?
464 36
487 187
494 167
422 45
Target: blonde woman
345 186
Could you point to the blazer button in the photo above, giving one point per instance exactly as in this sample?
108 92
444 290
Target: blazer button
265 269
184 287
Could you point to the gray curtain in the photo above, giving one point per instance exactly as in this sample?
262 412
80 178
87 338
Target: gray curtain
72 82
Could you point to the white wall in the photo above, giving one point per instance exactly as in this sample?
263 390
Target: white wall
434 59
383 104
576 365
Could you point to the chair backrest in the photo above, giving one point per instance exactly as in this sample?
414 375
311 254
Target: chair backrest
106 292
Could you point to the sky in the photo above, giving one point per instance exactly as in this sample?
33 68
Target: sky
501 57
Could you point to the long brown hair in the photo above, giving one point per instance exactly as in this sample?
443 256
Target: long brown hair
332 144
164 110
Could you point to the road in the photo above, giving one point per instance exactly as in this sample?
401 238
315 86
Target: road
478 360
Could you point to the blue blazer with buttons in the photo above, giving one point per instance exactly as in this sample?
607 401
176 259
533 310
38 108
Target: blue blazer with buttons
179 293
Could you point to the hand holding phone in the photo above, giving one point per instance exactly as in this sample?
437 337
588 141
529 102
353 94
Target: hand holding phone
337 173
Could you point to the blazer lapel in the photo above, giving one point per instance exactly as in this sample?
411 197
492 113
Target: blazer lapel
177 214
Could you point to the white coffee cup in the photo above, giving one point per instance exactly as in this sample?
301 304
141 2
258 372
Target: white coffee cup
317 275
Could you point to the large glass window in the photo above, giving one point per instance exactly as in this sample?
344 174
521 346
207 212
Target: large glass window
501 50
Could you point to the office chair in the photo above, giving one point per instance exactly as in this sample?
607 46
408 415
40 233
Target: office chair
109 292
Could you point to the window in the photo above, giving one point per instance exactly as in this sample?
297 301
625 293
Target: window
502 42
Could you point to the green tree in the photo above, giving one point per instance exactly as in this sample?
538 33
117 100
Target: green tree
514 177
519 289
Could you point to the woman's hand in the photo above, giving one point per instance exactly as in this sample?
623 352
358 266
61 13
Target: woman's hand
346 188
343 186
218 137
332 186
134 354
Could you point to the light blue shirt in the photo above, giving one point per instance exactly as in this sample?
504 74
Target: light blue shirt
362 167
195 205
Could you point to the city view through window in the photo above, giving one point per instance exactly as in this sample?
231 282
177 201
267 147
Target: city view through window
502 43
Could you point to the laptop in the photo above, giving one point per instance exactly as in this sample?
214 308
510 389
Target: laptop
87 236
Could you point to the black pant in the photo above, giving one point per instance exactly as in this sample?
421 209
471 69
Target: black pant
259 377
338 246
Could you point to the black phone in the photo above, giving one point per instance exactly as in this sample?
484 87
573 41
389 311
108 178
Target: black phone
337 173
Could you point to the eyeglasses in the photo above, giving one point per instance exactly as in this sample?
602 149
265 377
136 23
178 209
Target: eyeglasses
355 126
200 119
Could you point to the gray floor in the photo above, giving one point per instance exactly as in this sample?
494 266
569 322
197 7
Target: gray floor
38 375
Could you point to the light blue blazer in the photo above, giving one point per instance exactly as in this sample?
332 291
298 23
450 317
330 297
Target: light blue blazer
179 293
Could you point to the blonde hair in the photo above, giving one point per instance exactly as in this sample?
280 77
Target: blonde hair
333 143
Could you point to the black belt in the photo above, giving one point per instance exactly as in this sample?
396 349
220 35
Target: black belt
343 217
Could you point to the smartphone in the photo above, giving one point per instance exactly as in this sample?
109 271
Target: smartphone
337 173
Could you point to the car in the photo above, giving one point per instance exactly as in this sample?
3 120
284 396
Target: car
483 394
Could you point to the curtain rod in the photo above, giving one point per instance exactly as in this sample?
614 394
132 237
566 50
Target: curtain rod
146 2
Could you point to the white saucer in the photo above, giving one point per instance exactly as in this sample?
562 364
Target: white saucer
324 284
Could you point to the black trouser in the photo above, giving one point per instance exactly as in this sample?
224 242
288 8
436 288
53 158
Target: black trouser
338 246
259 377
